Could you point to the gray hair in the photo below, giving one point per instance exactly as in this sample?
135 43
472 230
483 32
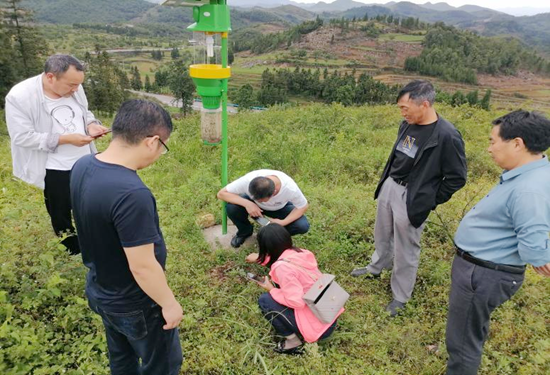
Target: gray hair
59 64
419 91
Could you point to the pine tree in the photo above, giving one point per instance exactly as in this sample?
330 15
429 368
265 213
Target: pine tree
181 85
8 70
175 54
136 79
161 78
486 101
147 86
458 99
106 85
30 46
472 98
245 97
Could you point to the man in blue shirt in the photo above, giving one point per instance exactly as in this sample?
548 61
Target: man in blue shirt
504 232
123 246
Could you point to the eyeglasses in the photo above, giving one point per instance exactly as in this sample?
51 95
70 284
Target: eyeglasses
166 149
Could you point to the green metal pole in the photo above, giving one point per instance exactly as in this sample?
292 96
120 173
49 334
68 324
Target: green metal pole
225 151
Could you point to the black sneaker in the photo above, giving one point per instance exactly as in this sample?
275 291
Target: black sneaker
237 241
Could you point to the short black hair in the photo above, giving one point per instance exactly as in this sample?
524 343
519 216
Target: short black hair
419 91
137 119
261 188
532 127
273 240
59 64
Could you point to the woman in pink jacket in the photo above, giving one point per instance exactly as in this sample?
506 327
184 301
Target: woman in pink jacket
294 270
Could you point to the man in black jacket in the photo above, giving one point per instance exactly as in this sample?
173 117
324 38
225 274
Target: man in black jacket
426 167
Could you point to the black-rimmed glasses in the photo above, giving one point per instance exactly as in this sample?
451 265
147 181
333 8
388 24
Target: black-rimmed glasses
166 149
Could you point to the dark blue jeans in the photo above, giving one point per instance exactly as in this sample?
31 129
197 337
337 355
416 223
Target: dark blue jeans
239 216
282 318
138 335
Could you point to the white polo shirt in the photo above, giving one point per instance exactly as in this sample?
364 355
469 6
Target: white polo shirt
289 192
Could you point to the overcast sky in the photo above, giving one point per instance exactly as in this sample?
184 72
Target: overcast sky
493 4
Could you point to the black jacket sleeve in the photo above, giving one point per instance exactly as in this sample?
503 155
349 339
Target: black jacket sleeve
454 168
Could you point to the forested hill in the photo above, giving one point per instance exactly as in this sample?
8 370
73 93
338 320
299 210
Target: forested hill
457 55
532 30
83 11
68 12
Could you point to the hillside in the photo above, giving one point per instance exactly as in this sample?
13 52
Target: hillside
336 155
82 11
532 30
289 13
335 6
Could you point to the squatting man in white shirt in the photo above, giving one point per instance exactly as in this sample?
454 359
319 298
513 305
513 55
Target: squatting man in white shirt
261 193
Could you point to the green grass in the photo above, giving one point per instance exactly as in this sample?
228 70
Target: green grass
363 48
402 37
336 155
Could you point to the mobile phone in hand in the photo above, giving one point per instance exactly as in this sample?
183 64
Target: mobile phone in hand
254 277
262 221
100 134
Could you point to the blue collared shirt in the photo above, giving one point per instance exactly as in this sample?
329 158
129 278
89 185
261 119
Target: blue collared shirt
511 224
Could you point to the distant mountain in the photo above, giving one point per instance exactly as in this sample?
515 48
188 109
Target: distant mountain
336 6
533 30
437 6
240 18
481 12
371 10
293 14
524 11
262 3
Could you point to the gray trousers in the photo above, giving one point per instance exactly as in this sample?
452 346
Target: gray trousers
475 292
396 240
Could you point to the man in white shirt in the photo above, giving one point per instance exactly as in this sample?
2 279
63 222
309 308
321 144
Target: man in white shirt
265 192
50 128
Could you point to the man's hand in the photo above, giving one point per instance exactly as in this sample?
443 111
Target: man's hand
252 258
172 315
543 270
253 209
77 140
94 129
277 221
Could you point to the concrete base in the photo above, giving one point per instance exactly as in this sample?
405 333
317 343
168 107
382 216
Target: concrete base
216 240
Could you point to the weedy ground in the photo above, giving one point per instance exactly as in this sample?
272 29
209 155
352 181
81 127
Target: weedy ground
336 155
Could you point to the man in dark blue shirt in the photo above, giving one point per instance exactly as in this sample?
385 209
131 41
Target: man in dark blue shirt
506 230
123 247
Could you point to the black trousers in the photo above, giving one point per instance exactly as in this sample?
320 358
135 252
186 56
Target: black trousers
57 197
475 292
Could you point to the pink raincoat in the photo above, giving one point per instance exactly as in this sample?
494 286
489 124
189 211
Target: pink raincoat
293 283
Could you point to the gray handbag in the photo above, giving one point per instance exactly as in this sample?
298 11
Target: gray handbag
325 298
